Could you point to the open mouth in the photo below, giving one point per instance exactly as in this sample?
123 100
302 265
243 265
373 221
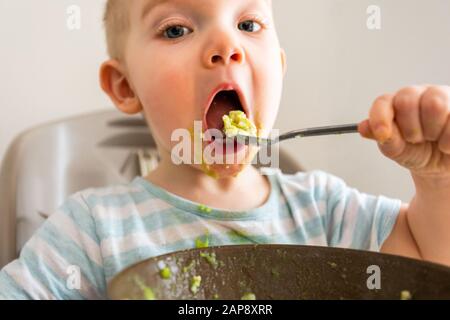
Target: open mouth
223 103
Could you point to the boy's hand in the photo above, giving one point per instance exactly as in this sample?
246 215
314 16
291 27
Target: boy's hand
412 128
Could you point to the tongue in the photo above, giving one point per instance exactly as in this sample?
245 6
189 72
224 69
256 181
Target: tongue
221 106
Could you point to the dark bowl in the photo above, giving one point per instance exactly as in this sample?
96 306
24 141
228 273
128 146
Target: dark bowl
281 272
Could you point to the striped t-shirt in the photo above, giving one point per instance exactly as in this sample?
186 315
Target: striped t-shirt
102 231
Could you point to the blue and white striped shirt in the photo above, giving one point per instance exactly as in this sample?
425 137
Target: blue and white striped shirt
104 230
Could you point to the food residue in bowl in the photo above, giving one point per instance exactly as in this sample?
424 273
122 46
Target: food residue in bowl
332 264
210 258
405 295
195 284
248 296
275 273
188 268
165 273
146 290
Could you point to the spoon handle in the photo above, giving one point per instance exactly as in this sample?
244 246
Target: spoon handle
319 131
308 132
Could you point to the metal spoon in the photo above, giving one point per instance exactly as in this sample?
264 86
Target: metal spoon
308 132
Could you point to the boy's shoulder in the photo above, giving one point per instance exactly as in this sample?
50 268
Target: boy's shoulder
114 195
132 186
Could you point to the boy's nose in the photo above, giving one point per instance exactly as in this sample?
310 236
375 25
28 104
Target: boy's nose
223 52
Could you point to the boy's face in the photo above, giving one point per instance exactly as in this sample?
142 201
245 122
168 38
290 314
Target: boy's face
181 53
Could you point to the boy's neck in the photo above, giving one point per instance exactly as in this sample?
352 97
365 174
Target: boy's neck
195 185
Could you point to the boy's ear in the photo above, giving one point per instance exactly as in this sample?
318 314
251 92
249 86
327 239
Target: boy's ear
283 61
116 85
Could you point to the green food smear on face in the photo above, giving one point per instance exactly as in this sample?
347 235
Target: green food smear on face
208 171
211 258
215 296
147 291
195 284
405 295
249 296
204 209
165 273
236 123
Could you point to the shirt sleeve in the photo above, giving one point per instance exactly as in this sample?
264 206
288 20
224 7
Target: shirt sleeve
354 219
61 261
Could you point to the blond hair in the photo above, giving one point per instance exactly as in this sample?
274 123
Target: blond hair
117 23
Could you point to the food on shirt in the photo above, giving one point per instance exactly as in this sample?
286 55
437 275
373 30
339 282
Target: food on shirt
236 123
200 244
204 209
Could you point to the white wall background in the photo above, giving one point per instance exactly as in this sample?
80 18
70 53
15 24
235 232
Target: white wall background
337 67
47 71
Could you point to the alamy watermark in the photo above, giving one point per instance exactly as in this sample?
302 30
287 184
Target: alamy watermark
374 280
374 17
73 281
189 148
73 21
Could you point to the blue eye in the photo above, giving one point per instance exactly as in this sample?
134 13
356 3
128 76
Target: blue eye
175 32
249 26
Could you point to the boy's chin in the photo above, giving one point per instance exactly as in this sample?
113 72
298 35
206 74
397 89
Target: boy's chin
230 170
222 171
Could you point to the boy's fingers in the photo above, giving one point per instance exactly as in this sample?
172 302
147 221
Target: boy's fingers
365 131
407 113
395 146
444 141
382 117
434 110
